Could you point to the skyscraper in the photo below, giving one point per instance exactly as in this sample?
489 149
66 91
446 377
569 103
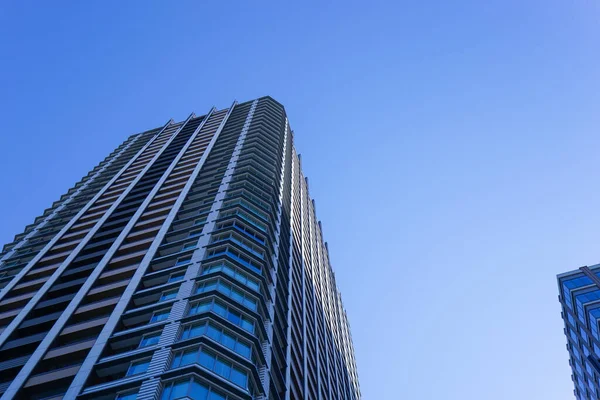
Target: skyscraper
580 301
187 264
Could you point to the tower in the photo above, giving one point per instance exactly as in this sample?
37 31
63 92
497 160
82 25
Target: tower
188 264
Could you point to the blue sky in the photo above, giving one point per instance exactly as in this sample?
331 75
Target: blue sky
451 148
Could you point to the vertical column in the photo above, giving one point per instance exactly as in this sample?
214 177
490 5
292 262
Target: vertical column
304 318
288 350
265 373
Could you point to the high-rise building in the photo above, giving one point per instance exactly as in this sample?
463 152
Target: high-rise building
580 301
187 264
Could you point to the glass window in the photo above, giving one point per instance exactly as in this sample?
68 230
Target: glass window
239 377
188 246
243 349
137 367
237 296
150 339
189 357
247 325
197 330
223 287
207 360
213 333
176 360
219 309
252 285
215 396
182 261
159 315
198 391
234 318
176 277
190 389
212 285
251 304
179 390
222 368
228 341
204 307
168 295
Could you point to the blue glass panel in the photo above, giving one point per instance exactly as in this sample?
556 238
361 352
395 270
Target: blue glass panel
219 309
582 299
239 378
233 317
138 367
251 304
210 286
189 357
222 369
176 360
198 391
228 341
213 333
207 360
571 284
243 350
247 325
159 316
168 295
197 330
237 295
179 390
150 340
215 396
203 307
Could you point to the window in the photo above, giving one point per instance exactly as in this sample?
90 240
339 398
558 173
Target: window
238 377
188 246
192 389
212 362
235 255
229 314
246 244
182 261
219 335
233 272
168 295
571 284
194 233
150 339
126 396
159 315
229 291
138 367
176 277
200 221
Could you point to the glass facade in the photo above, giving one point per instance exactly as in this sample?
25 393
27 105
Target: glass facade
189 264
580 300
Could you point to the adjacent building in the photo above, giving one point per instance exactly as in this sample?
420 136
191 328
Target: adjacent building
580 300
189 264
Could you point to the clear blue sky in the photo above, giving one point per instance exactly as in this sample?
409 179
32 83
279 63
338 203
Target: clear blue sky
452 148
